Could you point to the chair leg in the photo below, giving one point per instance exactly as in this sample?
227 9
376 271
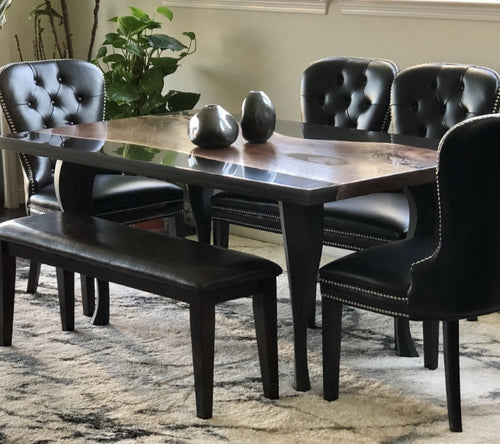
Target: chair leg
101 313
452 374
221 233
176 225
431 344
402 335
202 320
266 330
88 295
7 291
33 277
66 291
332 330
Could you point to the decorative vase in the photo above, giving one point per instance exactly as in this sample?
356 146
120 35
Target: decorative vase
258 118
213 127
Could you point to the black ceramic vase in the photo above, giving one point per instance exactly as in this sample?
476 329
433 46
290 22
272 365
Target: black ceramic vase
258 118
213 127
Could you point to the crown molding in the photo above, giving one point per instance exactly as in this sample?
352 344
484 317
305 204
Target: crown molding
488 10
298 6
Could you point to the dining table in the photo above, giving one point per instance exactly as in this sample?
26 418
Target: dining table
301 166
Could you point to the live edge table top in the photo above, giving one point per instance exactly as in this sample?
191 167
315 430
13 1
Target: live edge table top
297 164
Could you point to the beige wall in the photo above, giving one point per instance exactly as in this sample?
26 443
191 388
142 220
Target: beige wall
241 50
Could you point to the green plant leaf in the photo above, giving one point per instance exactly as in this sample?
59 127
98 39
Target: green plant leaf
152 81
136 12
180 100
134 49
114 58
190 34
121 93
166 12
163 41
168 65
130 26
101 52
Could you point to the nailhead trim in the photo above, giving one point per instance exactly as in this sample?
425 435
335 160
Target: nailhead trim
367 307
245 213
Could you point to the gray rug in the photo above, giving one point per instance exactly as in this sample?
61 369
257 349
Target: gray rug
132 380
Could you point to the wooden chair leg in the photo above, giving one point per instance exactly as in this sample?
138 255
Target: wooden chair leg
221 233
33 277
332 331
88 295
431 344
176 225
202 320
7 291
66 291
452 374
101 313
404 342
266 330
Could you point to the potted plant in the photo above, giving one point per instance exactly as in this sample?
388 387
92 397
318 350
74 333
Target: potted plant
134 65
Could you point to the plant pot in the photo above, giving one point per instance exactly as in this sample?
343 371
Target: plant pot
258 118
213 127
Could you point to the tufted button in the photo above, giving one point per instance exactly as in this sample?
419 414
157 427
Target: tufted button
461 86
364 81
79 98
30 105
59 79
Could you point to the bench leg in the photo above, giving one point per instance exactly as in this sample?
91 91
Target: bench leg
33 277
88 294
202 320
7 291
101 313
66 291
265 315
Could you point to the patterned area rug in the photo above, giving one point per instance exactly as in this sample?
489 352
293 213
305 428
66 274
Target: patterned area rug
132 381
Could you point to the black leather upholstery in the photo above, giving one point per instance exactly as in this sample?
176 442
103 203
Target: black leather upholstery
348 92
55 93
429 99
186 264
339 91
46 94
451 275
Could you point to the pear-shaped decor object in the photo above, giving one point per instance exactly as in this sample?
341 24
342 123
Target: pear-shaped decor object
258 118
213 127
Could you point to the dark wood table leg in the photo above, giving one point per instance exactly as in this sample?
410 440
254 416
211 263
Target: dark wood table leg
73 184
302 228
199 198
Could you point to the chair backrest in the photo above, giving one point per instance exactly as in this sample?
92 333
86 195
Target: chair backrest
48 94
462 277
348 92
429 99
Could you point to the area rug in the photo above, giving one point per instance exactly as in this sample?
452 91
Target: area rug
132 382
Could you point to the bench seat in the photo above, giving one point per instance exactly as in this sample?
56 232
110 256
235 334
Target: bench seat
198 274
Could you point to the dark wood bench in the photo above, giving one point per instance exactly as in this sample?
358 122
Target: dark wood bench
199 274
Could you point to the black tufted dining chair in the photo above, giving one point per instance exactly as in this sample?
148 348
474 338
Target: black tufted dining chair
448 275
348 92
46 94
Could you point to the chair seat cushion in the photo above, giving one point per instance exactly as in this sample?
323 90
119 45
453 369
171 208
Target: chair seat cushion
366 221
355 223
247 211
121 198
377 278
